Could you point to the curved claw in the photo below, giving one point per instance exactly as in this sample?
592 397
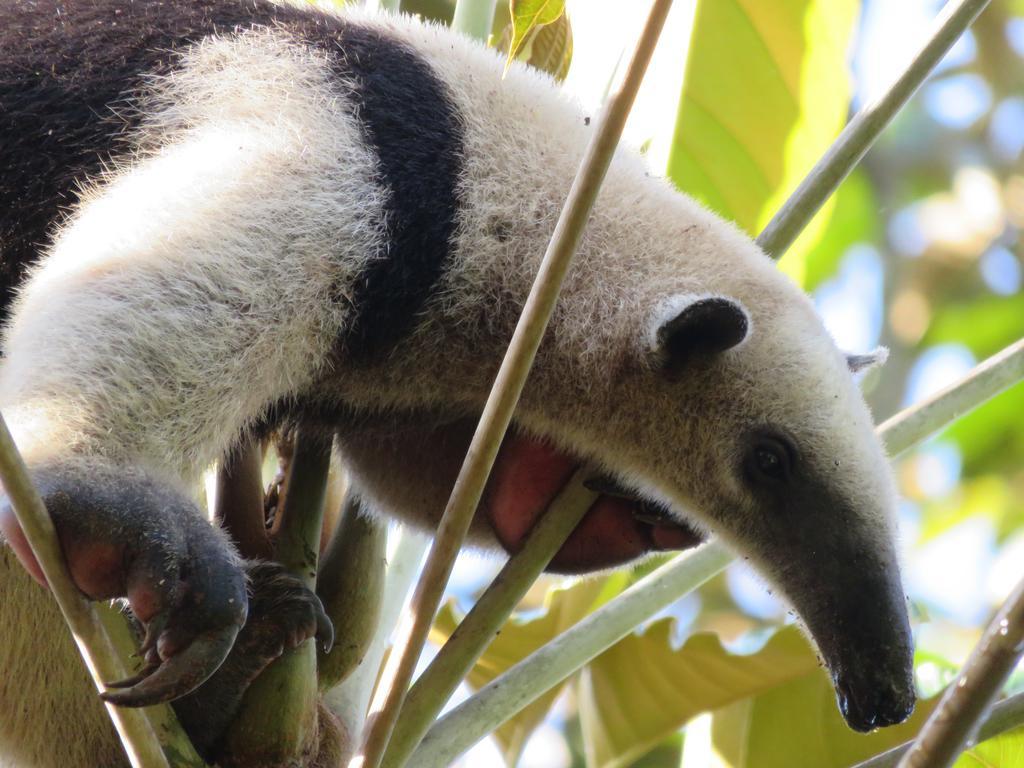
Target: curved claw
154 629
177 676
141 675
324 627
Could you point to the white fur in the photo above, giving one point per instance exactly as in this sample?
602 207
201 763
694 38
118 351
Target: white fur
645 244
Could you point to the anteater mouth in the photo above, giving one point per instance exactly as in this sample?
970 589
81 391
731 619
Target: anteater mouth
618 527
529 473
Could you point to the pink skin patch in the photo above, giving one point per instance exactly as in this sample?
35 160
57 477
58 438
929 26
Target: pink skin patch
12 532
529 474
97 568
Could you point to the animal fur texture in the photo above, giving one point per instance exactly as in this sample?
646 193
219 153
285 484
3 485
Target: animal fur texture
262 211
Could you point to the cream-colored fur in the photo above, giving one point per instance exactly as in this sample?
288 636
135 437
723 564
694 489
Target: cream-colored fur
198 283
594 388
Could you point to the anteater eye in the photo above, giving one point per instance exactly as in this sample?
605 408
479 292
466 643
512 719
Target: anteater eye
770 459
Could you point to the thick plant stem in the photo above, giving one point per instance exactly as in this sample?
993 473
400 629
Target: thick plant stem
474 18
861 132
133 725
1004 716
497 412
239 504
482 624
350 585
506 695
277 721
954 723
991 377
351 698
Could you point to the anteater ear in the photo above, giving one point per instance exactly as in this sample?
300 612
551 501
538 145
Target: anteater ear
865 362
689 327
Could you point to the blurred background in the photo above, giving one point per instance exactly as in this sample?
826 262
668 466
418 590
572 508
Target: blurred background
919 251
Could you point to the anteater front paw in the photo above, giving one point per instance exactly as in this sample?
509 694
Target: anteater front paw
127 534
283 614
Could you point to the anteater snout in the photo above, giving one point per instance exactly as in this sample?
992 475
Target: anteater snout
867 702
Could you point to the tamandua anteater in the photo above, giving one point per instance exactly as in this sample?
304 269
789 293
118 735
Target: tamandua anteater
215 214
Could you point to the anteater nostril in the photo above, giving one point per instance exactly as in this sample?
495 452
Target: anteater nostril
896 710
868 707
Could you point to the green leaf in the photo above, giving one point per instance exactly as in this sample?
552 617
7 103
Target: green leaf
640 691
528 15
766 91
798 725
547 48
1004 751
563 607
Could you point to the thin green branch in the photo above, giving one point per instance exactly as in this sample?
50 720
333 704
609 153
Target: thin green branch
483 623
999 372
861 132
1004 716
277 720
952 725
133 725
506 695
501 402
474 18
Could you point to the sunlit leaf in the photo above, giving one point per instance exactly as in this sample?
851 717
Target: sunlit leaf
527 15
642 690
991 438
798 725
1005 751
932 670
547 48
766 92
519 638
